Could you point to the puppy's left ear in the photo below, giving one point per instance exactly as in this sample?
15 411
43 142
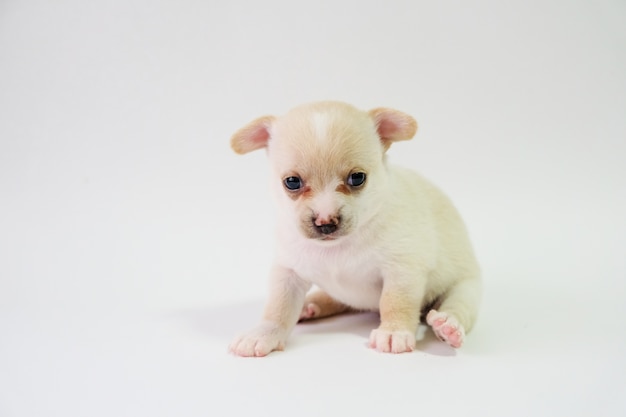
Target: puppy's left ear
252 136
393 125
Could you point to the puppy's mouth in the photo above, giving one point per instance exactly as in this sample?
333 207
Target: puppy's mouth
315 234
326 240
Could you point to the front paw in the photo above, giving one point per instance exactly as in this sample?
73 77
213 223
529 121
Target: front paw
393 341
259 341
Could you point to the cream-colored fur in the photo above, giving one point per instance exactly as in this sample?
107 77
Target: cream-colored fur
394 244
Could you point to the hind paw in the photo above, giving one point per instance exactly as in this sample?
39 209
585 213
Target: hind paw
310 311
446 327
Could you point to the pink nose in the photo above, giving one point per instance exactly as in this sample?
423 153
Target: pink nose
327 225
326 229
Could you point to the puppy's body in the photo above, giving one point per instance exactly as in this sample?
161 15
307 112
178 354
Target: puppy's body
371 236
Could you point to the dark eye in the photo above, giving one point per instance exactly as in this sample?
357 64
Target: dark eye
356 179
293 183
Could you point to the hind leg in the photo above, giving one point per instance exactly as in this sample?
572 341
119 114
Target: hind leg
457 313
318 304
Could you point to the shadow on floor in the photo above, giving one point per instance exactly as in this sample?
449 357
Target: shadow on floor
225 322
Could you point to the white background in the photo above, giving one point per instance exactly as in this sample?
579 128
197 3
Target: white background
134 244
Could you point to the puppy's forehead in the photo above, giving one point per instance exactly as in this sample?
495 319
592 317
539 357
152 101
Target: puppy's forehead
332 133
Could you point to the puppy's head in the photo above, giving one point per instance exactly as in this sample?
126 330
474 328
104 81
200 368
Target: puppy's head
328 163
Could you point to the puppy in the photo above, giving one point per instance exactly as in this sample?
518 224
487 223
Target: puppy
369 235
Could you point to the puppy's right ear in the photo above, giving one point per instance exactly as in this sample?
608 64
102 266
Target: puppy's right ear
252 136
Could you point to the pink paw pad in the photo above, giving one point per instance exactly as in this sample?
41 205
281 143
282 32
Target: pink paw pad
446 328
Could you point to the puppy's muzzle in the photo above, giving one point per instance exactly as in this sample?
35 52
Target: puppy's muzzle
327 226
326 229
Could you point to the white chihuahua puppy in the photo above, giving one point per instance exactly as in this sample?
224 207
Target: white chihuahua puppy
370 236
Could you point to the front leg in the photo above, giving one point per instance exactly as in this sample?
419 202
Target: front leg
399 314
282 311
